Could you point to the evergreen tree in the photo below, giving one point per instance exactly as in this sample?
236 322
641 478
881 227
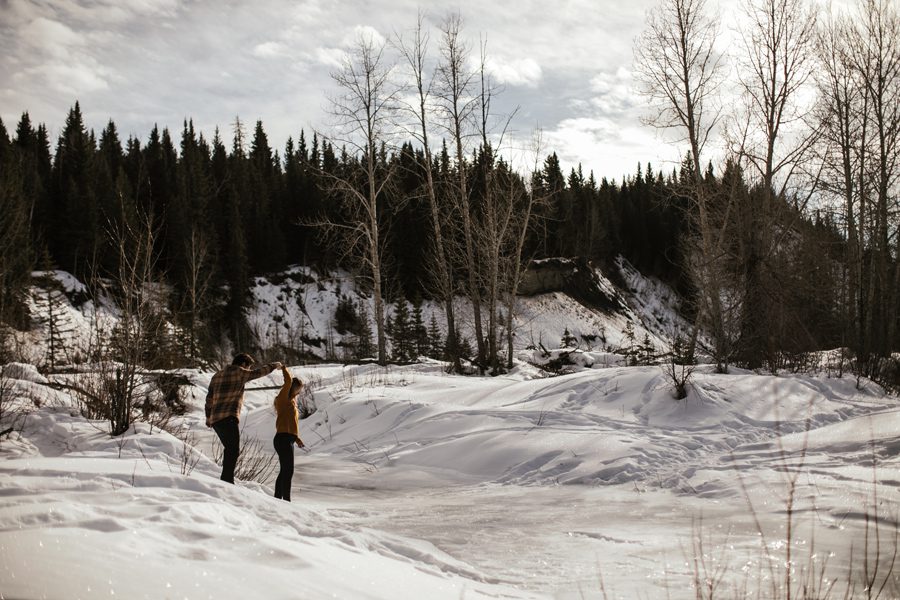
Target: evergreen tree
365 347
193 239
436 349
228 186
15 237
568 340
74 233
465 346
647 351
401 333
33 148
419 333
629 347
264 213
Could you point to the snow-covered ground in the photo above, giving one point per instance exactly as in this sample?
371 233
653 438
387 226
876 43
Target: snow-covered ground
418 484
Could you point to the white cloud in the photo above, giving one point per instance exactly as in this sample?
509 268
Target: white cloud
330 57
70 80
612 91
160 60
270 50
607 146
333 57
365 33
515 72
51 37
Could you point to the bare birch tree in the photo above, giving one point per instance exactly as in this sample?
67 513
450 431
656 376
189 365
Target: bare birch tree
775 67
498 213
363 111
457 102
680 72
415 53
842 125
197 283
875 54
526 199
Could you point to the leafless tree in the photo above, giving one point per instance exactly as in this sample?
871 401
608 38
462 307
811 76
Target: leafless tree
775 66
112 393
874 50
842 125
681 73
525 199
198 280
499 209
457 102
415 53
363 111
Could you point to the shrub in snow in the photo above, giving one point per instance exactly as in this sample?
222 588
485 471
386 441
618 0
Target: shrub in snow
256 462
678 369
13 407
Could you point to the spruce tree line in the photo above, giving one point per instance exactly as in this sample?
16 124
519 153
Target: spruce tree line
226 214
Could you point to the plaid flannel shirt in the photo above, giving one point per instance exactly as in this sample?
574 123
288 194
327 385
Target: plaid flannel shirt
225 397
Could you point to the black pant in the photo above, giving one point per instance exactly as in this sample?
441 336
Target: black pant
230 436
284 446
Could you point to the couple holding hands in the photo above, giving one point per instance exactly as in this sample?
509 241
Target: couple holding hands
224 402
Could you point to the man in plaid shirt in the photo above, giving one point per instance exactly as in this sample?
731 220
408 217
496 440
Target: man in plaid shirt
224 401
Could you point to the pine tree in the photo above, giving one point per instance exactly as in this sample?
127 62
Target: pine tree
263 209
33 146
401 333
568 340
419 332
365 347
74 233
229 187
15 236
436 349
193 240
646 349
630 348
465 346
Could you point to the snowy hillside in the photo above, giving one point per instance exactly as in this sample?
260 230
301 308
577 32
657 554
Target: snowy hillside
300 305
419 484
296 309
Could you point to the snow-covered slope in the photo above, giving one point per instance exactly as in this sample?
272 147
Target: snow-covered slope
296 309
300 305
419 484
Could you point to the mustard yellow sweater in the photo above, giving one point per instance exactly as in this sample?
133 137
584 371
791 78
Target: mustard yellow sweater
286 414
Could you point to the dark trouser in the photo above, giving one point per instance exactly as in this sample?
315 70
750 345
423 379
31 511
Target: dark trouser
230 436
284 446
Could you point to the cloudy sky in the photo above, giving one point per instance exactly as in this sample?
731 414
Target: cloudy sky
566 65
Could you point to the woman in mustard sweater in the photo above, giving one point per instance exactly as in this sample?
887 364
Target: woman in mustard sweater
286 432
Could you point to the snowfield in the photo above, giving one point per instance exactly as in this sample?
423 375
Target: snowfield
418 484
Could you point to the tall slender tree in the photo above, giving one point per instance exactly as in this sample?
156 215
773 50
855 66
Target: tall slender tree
362 110
776 64
457 101
680 72
415 53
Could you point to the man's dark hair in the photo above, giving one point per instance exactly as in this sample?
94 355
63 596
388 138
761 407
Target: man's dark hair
243 360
